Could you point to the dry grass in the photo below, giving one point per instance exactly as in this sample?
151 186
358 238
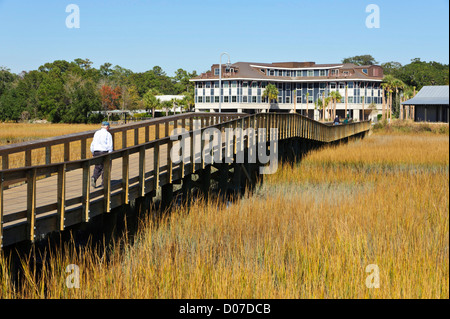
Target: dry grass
308 232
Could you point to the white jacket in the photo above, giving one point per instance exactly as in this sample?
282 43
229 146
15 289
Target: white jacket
102 141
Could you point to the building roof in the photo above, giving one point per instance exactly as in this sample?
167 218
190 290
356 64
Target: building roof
436 94
252 71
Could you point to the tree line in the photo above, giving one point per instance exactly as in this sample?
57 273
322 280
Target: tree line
63 91
68 92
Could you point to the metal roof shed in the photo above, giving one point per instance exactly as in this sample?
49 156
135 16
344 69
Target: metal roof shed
431 103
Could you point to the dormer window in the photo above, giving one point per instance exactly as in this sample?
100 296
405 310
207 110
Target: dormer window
365 71
216 71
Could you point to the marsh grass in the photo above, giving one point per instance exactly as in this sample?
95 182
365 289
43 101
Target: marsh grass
308 232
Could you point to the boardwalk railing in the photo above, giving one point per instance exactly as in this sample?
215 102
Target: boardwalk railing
55 195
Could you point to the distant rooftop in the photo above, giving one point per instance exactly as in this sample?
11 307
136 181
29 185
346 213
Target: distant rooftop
435 94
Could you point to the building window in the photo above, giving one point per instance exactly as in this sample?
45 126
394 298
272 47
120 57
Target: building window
254 84
233 84
234 99
280 99
350 85
199 85
332 85
299 99
288 73
341 85
271 72
322 73
365 71
310 98
310 85
253 99
207 99
288 99
263 84
244 99
350 99
299 73
200 99
216 71
226 99
225 84
262 70
208 85
244 84
310 73
216 99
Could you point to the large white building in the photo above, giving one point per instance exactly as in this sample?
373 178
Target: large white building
299 84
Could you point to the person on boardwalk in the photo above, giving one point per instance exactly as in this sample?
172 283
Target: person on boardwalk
101 144
336 120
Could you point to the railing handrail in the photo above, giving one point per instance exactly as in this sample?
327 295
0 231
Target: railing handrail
50 141
164 139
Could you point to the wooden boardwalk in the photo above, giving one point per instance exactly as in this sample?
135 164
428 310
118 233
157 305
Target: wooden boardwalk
53 196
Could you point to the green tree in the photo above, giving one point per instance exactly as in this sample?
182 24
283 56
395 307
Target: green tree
151 102
270 93
366 59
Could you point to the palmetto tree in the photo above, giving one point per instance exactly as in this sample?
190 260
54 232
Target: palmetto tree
151 101
388 85
321 104
398 85
307 101
271 93
335 97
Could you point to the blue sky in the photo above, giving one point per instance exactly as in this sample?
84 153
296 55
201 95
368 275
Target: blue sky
191 34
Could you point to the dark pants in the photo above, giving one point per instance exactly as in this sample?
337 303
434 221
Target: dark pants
98 169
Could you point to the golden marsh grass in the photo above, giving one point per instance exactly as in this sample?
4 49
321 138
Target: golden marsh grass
308 232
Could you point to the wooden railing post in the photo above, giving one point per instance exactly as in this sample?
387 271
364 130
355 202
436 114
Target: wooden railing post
126 176
136 136
31 204
124 139
1 209
142 170
86 190
169 147
107 182
183 130
61 197
28 159
66 151
156 158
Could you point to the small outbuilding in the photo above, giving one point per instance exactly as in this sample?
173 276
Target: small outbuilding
431 104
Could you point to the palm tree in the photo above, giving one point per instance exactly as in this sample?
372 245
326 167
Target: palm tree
346 99
271 93
307 101
408 94
336 97
387 85
151 102
167 105
398 85
321 104
363 100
